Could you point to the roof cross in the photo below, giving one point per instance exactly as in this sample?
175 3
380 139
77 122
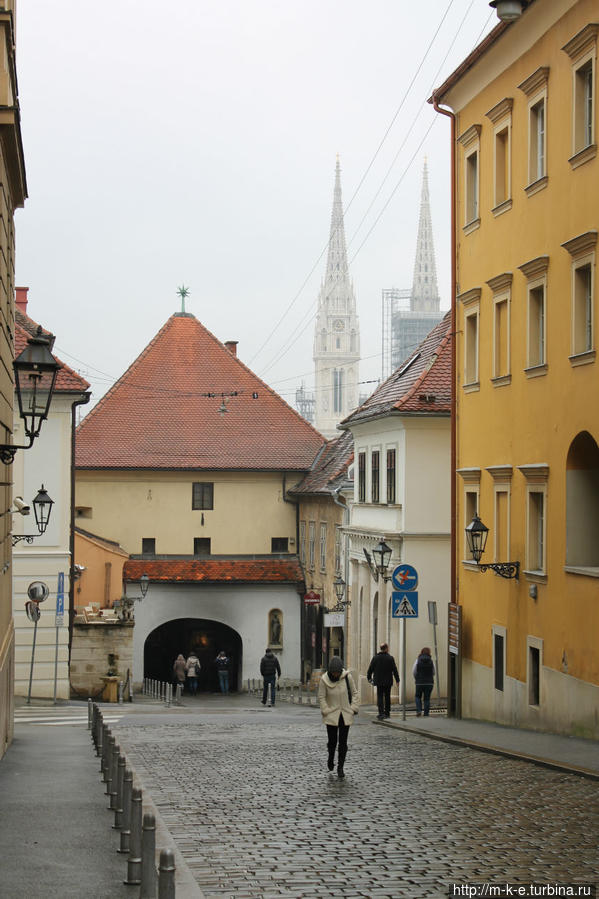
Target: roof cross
183 292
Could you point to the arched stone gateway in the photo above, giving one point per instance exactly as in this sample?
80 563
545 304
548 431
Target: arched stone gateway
202 636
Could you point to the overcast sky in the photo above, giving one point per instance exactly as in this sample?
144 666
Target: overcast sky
194 143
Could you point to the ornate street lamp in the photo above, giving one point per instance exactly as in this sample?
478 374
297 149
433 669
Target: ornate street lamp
476 538
509 10
144 583
35 371
382 557
339 585
42 508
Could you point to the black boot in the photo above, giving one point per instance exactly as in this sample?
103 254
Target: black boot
340 763
331 760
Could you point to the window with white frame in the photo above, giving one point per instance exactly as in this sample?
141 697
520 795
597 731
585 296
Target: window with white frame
311 540
502 479
536 312
375 476
582 251
501 287
471 347
582 50
470 141
501 117
535 88
391 475
536 475
337 549
302 542
470 503
323 546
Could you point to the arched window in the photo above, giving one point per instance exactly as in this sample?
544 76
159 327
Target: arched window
582 502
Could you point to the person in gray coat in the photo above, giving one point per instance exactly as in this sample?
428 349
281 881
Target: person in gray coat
338 699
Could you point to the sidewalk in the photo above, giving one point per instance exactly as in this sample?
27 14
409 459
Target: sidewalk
568 754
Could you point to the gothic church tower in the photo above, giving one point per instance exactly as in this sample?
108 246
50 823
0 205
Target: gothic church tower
336 332
425 293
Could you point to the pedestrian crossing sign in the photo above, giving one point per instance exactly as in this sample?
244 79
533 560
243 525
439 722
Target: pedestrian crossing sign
405 604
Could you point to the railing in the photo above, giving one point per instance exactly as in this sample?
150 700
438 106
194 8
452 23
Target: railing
137 830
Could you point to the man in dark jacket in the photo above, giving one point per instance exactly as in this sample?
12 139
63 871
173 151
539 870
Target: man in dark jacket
381 672
269 669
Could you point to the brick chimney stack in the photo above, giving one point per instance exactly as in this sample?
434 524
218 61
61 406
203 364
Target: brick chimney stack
21 298
231 345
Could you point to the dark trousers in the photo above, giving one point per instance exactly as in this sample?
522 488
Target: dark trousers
423 696
383 698
337 733
269 682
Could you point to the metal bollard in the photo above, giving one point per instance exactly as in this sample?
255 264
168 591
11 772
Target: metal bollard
126 817
134 860
107 759
167 700
178 695
166 875
90 712
114 773
148 855
121 691
118 810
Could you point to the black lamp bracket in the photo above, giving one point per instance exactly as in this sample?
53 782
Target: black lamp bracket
28 538
507 570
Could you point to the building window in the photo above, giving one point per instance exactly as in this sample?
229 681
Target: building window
501 348
323 546
471 480
148 546
279 544
536 326
582 502
535 651
583 106
338 390
391 476
471 348
582 251
535 544
582 311
535 88
502 525
502 166
201 546
337 549
498 658
302 542
361 477
202 496
470 142
311 539
375 472
582 50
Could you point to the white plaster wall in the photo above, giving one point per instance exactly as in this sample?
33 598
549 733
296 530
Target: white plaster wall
243 608
568 705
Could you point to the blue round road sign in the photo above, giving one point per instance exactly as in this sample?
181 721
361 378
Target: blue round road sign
405 577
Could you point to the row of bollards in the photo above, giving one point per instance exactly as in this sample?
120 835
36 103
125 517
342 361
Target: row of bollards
137 830
289 691
162 691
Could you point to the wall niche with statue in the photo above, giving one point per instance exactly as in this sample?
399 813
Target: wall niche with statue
275 629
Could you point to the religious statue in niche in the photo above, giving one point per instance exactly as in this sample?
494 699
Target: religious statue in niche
275 628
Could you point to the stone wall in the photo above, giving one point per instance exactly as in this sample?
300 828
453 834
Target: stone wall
93 642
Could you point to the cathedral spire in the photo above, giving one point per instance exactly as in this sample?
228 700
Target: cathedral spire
425 293
337 268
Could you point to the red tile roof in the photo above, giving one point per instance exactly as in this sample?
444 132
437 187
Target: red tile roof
158 414
67 380
419 386
267 570
330 467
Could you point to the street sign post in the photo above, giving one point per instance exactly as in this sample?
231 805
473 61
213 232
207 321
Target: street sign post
404 604
37 592
58 623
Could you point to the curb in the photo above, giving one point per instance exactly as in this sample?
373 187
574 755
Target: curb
494 750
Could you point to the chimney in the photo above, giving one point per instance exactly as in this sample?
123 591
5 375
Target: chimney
231 345
21 299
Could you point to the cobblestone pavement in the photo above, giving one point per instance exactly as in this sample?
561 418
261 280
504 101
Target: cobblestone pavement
255 813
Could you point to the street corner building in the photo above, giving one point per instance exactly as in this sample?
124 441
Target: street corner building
185 465
526 218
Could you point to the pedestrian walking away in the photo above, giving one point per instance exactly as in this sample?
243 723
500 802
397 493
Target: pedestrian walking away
270 670
179 671
381 672
424 677
193 672
338 699
222 663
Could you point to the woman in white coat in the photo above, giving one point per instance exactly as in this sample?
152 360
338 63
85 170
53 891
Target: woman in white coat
338 700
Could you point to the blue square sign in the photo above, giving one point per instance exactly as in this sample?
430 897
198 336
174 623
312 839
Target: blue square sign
405 604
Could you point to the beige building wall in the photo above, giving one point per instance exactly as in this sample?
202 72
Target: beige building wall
13 191
249 510
101 580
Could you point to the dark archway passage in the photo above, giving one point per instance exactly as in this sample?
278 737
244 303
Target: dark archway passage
206 638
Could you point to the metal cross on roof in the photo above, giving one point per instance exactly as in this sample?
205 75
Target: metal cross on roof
183 292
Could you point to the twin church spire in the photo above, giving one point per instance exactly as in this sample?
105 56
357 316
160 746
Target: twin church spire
336 333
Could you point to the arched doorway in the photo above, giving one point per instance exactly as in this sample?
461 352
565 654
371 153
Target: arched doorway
206 638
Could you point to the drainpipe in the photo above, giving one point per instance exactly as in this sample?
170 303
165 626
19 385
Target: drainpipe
454 596
345 508
81 402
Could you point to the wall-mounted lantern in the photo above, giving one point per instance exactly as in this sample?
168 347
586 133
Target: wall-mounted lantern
509 10
42 508
476 538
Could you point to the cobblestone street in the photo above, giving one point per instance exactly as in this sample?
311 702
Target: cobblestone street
255 813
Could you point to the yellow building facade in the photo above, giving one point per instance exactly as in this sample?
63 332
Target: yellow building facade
526 372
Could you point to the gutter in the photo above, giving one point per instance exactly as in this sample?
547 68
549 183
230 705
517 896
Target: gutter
81 402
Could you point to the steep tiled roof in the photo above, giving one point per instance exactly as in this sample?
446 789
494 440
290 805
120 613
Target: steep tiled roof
421 385
67 380
329 468
158 414
267 570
